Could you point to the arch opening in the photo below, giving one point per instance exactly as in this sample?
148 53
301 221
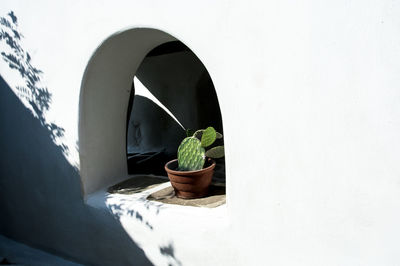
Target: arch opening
173 91
141 89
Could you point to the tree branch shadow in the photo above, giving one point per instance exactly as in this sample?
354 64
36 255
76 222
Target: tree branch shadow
33 92
169 252
41 201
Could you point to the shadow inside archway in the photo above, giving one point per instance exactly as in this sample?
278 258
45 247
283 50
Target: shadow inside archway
172 91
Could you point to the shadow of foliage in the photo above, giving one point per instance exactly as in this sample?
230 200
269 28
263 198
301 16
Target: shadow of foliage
37 95
41 200
121 209
169 252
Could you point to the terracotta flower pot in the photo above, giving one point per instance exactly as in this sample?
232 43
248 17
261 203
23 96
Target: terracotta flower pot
190 184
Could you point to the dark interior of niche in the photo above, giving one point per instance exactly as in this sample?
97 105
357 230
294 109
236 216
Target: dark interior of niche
178 79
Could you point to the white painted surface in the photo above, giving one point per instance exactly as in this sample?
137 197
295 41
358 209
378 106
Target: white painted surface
309 95
155 226
104 98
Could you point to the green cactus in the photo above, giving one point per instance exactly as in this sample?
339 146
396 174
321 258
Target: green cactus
191 156
199 133
191 152
216 152
208 137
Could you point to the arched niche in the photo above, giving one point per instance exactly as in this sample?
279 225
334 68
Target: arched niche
173 91
106 98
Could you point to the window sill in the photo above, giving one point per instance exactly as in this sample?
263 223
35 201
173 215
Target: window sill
156 226
140 216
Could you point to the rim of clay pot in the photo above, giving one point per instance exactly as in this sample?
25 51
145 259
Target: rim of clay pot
212 166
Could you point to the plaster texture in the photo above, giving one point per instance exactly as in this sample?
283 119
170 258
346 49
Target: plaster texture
308 92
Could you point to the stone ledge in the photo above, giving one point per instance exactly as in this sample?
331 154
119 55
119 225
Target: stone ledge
138 184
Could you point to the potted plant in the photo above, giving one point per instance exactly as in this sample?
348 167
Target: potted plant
191 174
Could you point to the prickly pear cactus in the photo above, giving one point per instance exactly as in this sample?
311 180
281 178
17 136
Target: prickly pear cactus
191 155
216 152
208 137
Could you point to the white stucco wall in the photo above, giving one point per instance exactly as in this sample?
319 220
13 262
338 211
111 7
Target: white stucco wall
105 91
309 94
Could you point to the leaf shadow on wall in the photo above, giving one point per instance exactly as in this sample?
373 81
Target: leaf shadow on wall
41 202
37 95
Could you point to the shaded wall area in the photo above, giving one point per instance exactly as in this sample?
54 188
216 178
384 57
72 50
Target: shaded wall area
179 80
41 200
103 105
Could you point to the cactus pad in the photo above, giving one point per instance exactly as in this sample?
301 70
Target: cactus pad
191 155
208 137
216 152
